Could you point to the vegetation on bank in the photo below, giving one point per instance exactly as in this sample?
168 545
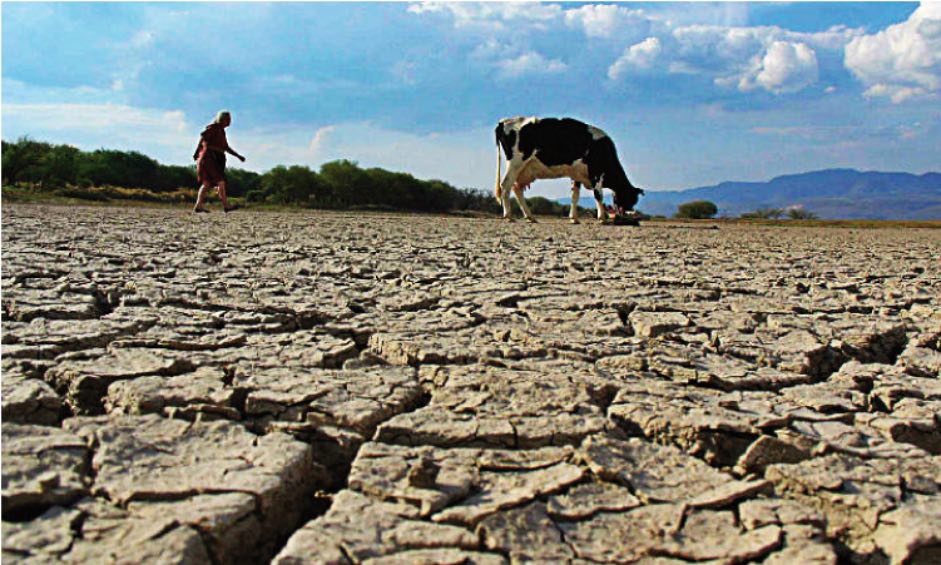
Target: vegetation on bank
35 170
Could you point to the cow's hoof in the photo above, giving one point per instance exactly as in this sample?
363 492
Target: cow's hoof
574 221
532 220
507 219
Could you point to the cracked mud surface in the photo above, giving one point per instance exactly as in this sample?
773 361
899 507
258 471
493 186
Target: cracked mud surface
336 388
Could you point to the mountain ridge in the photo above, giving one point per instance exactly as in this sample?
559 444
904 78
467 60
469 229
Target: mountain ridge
829 193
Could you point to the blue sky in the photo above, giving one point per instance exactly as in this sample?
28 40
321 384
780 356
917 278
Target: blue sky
691 93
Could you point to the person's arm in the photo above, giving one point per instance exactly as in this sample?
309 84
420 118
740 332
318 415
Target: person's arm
224 141
234 152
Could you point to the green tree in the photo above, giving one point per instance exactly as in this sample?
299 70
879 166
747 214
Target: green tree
240 182
346 183
60 166
129 169
800 214
288 185
697 210
22 160
173 177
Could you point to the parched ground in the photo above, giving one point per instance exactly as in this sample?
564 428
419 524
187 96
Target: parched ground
337 388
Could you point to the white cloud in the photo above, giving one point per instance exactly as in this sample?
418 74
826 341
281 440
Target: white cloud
785 67
749 58
504 30
98 117
530 62
492 16
511 62
426 7
640 56
606 20
16 91
904 60
696 39
319 140
726 14
896 93
834 38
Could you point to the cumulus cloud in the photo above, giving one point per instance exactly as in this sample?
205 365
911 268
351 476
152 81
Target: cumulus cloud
605 20
503 30
904 60
530 62
638 56
747 58
751 58
785 67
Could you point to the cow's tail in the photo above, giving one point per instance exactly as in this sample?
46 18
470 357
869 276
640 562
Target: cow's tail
499 188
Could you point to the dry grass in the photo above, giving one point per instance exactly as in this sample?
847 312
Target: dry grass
100 196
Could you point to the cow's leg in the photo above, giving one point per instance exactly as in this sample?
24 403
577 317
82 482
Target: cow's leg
599 202
513 168
573 213
521 200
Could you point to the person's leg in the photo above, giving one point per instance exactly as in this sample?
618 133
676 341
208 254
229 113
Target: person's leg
201 199
222 195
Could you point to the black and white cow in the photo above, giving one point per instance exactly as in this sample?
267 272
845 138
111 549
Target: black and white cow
550 148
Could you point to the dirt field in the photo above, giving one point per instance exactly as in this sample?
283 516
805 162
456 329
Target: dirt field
329 388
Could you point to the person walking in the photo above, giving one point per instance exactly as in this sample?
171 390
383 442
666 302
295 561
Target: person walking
210 162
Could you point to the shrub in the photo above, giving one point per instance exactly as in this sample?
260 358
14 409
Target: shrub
801 214
764 214
697 210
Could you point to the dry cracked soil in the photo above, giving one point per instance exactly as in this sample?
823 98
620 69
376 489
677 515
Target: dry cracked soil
320 387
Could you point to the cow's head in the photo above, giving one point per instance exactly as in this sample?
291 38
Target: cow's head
626 198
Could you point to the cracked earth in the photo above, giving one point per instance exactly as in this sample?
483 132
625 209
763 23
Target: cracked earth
319 387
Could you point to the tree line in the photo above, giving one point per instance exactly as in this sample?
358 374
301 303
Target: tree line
45 166
341 184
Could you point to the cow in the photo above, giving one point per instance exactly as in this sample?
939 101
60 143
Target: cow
550 148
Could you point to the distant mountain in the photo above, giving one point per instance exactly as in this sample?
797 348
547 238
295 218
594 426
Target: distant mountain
831 193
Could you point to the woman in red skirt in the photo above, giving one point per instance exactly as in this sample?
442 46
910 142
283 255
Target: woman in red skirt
210 161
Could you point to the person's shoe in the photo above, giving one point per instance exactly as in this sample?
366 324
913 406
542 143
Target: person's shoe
230 208
200 211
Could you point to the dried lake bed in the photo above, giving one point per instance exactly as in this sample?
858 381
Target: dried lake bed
316 387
